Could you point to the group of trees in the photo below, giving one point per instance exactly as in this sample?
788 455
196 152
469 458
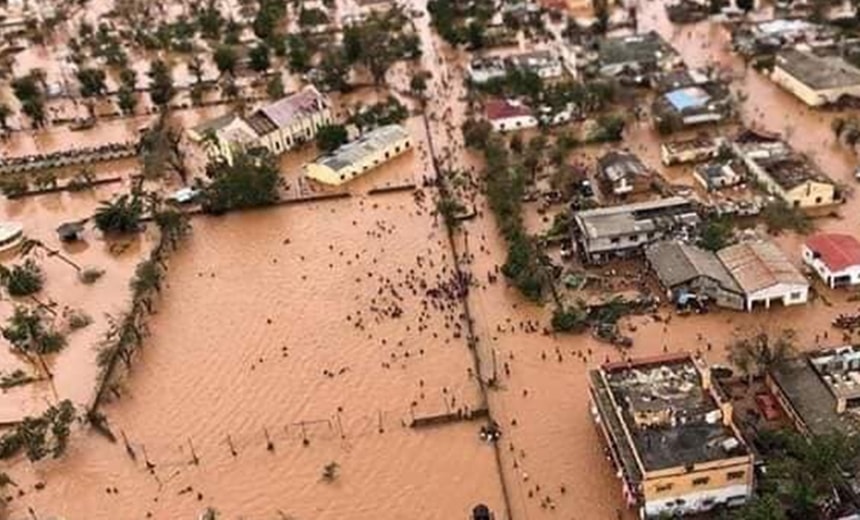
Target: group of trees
30 91
461 23
22 279
251 180
31 336
40 436
846 130
379 41
388 112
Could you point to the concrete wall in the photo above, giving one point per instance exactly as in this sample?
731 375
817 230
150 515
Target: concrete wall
326 175
808 95
820 268
786 294
812 194
514 123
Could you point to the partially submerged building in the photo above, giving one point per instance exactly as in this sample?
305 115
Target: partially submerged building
690 105
784 172
835 257
684 269
764 274
623 173
360 156
695 149
637 56
671 436
820 391
717 175
816 79
602 234
484 70
277 126
545 64
509 114
768 37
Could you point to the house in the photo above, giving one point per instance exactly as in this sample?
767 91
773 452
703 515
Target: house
624 173
669 431
358 157
719 174
686 269
277 126
783 172
770 36
484 70
835 257
696 149
691 105
764 274
508 114
820 391
620 231
545 64
816 79
639 55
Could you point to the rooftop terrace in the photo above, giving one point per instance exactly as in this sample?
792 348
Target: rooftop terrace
671 417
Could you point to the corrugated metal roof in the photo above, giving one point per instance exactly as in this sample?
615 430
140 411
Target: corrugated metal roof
676 263
369 143
289 110
759 265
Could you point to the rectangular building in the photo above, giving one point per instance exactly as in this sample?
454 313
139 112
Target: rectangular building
783 172
764 274
671 436
621 231
816 80
834 257
277 126
358 157
638 54
624 173
696 149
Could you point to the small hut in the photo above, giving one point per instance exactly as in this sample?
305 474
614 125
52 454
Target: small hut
71 231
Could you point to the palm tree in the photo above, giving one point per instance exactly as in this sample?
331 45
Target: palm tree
29 336
121 215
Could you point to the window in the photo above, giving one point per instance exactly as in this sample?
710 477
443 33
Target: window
650 235
708 502
387 155
701 481
634 238
735 475
396 149
795 295
614 240
663 487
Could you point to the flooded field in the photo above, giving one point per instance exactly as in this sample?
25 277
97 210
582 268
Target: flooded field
296 337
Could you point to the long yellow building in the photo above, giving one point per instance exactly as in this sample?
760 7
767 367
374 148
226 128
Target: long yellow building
670 434
360 156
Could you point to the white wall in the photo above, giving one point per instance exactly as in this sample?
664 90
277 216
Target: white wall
514 123
696 501
781 292
824 272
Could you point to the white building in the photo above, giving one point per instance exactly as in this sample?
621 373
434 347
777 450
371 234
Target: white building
484 70
834 257
278 126
504 115
360 156
546 64
764 274
816 80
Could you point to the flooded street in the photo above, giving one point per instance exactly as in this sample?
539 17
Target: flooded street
294 337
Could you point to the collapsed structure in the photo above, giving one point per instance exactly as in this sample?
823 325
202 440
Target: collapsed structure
670 433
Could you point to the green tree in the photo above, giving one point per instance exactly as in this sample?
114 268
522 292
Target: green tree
210 21
35 110
476 133
251 180
22 279
418 83
716 234
299 56
161 83
761 508
225 59
92 82
330 137
121 215
756 354
128 78
275 87
334 70
258 57
126 100
569 319
160 150
30 337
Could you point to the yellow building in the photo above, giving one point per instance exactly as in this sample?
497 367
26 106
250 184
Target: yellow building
358 157
670 434
278 126
792 177
816 80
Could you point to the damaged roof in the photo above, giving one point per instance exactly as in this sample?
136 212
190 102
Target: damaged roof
676 263
759 265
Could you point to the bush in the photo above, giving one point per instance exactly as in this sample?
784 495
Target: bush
779 216
330 137
569 319
251 181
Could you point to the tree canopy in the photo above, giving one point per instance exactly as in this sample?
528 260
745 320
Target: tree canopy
330 137
251 180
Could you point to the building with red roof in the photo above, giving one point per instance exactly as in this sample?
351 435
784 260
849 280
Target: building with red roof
835 257
505 114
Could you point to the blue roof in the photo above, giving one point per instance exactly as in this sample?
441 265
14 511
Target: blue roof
691 97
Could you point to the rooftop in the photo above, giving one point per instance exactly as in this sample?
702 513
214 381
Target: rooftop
818 72
288 110
369 143
759 265
836 250
502 109
677 79
640 48
640 217
672 419
782 164
617 165
811 397
695 143
677 263
688 98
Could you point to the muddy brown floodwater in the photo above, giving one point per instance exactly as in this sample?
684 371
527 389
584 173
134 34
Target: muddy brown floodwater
294 337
